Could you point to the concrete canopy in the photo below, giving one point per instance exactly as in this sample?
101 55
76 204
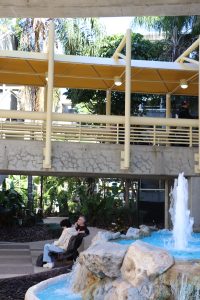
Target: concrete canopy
153 77
97 8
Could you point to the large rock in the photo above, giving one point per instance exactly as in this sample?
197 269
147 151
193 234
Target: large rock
100 291
105 236
83 279
144 262
144 230
104 259
133 233
106 289
119 289
124 291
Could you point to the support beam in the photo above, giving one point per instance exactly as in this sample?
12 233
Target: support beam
45 98
126 162
108 102
190 60
168 105
168 112
50 84
188 51
166 204
120 47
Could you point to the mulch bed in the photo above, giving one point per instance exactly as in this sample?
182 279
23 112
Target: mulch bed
15 288
28 234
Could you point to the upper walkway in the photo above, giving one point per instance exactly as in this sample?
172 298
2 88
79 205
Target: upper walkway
46 142
95 159
91 145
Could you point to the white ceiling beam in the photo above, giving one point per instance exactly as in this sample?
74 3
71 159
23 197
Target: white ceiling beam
97 8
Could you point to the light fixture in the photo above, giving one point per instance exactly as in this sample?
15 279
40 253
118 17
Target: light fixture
183 84
117 81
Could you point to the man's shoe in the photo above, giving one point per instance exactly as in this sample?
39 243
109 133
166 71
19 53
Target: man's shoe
48 265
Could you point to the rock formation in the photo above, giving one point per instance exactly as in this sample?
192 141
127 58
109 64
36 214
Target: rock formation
111 271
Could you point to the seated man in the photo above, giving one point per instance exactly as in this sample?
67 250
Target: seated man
59 246
81 227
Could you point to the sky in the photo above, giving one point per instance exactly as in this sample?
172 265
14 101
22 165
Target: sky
118 25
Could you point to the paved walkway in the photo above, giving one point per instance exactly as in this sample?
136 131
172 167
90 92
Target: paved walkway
17 259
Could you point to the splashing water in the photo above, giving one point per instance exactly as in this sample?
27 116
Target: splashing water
184 290
180 214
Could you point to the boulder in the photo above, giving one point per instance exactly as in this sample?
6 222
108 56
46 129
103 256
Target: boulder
104 259
145 231
119 289
144 262
116 235
104 236
100 291
106 289
125 291
83 279
133 233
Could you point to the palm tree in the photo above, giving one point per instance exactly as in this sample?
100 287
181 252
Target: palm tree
179 32
32 36
80 36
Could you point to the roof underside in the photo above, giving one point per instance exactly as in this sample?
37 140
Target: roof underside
97 8
25 68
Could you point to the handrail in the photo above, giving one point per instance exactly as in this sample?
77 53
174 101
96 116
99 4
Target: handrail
98 119
154 135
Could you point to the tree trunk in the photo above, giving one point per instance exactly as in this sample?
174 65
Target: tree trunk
41 193
30 193
91 184
126 191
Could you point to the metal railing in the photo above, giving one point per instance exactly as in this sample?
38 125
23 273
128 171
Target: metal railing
70 128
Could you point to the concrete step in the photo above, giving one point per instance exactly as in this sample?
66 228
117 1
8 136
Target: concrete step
15 269
14 246
13 260
14 252
3 276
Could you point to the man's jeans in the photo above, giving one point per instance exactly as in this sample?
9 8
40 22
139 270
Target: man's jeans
50 248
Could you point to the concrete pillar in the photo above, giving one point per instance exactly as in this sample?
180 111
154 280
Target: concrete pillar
127 100
45 98
50 84
168 105
194 200
108 102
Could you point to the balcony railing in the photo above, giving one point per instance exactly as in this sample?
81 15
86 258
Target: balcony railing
99 129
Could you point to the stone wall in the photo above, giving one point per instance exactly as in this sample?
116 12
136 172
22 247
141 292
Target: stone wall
95 159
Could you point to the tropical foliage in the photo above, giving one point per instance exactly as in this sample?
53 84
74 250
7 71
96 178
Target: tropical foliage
178 33
94 101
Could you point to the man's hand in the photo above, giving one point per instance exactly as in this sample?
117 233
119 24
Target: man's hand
81 231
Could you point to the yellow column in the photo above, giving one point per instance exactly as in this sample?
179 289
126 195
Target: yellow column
45 98
168 105
108 102
168 113
127 101
50 84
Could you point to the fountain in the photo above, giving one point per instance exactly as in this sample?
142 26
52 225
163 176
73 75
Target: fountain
126 268
180 214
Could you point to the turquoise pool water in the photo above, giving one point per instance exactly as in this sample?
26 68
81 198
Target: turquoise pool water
59 290
163 239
